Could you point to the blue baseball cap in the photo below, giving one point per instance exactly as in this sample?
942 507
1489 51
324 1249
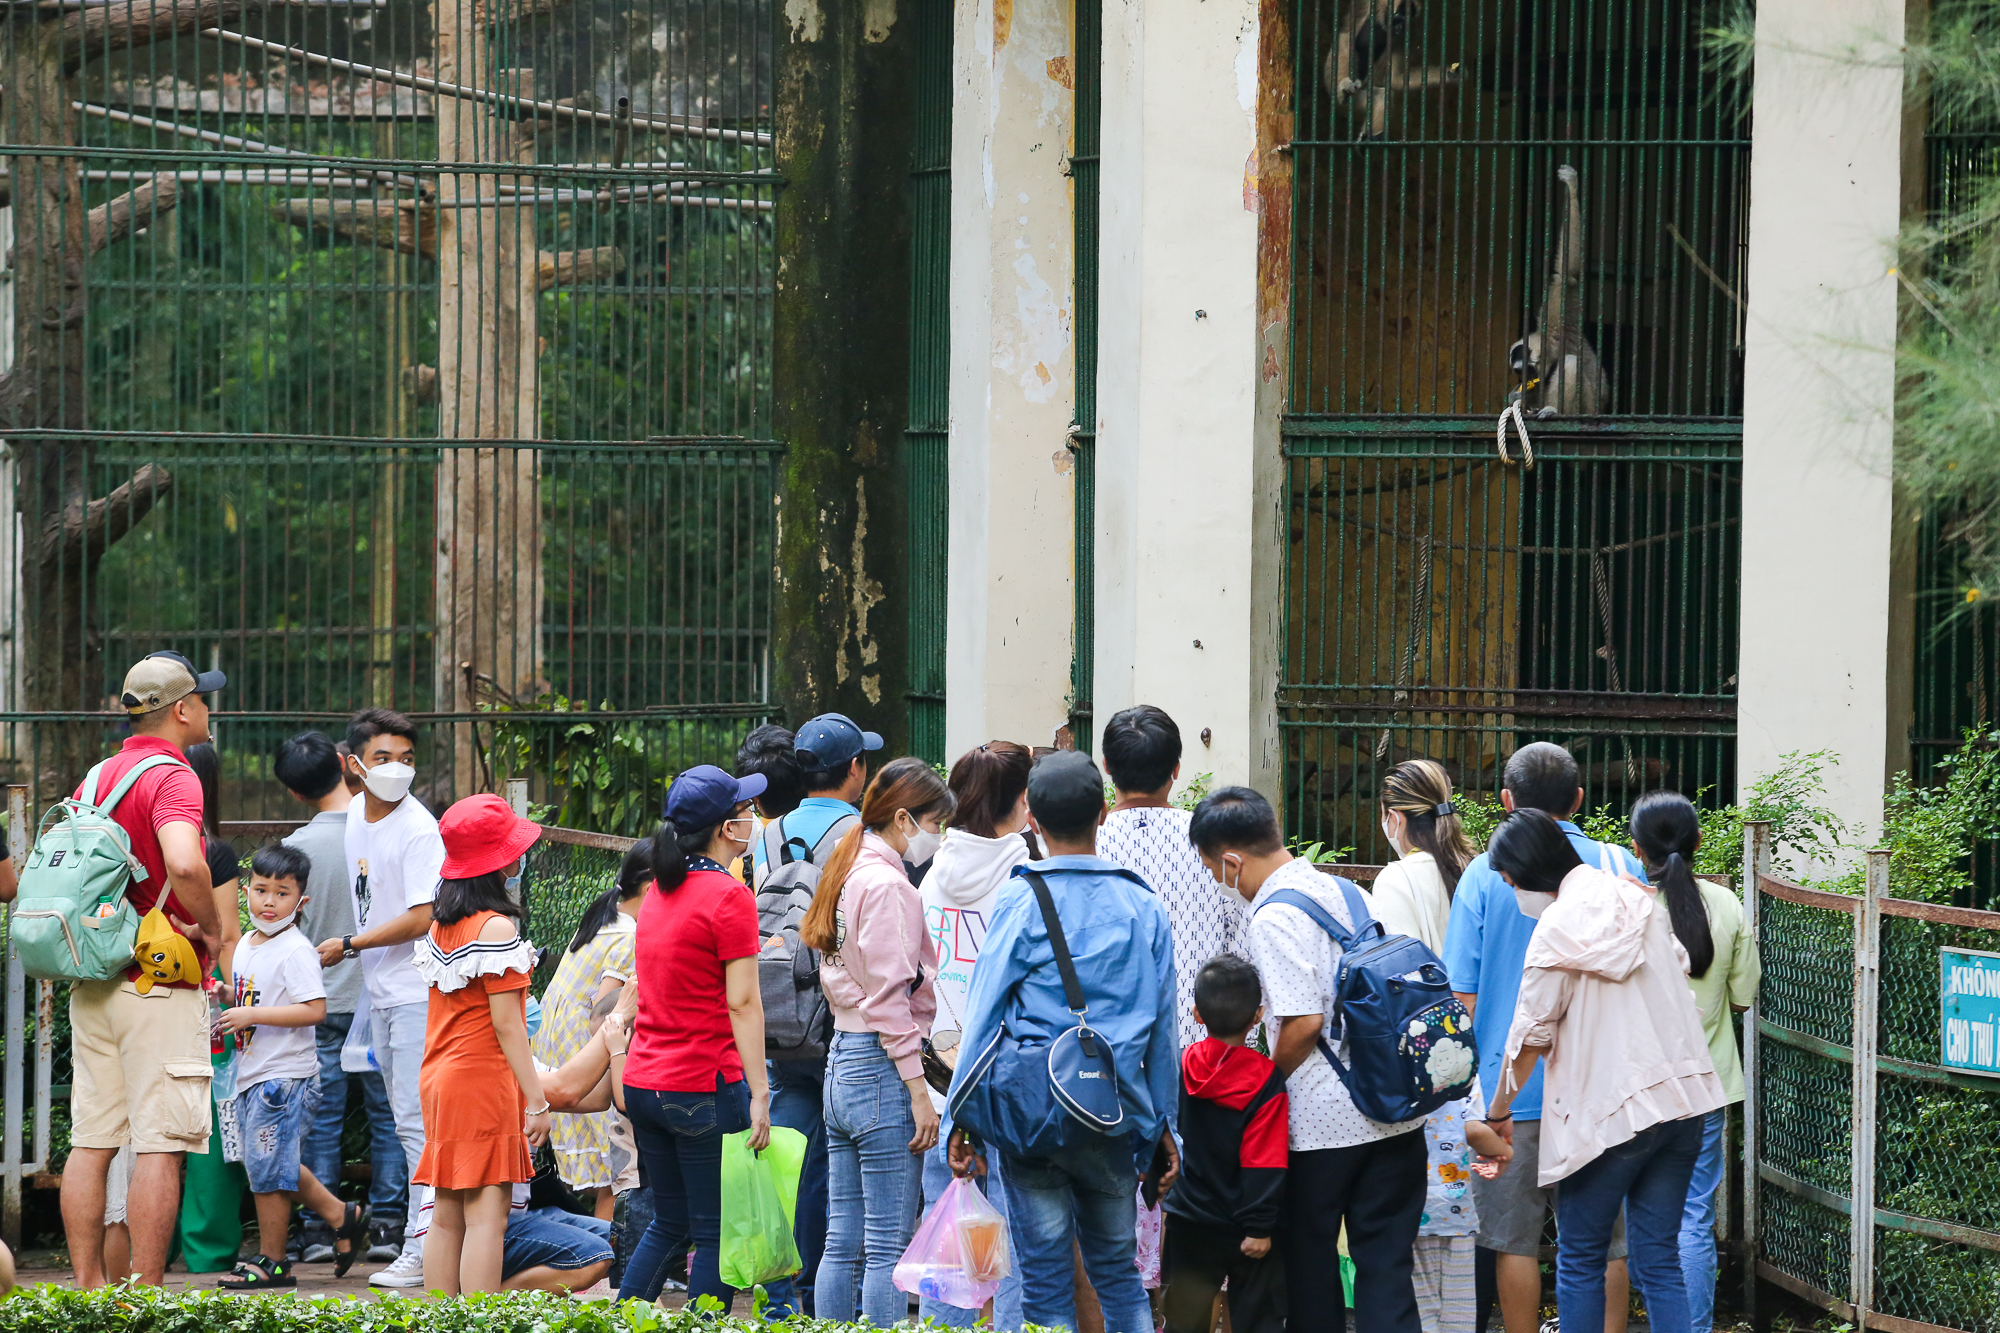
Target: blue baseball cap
830 740
703 796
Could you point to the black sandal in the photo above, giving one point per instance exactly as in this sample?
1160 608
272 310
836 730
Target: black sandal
257 1273
353 1230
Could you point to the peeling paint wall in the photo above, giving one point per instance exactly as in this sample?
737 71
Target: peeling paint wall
1190 376
1012 373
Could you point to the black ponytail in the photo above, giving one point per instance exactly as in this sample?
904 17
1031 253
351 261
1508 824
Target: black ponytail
633 877
1667 831
672 846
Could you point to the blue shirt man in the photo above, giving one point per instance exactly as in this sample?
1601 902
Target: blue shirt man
1486 951
1123 952
832 754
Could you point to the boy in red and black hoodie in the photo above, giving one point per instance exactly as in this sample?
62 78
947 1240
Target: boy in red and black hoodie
1223 1211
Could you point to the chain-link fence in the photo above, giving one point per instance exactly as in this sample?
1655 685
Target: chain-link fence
1855 1112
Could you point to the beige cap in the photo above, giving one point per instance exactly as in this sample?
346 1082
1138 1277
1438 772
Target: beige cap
165 678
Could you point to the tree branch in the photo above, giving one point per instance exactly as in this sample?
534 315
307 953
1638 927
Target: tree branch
137 207
124 24
89 530
577 268
388 224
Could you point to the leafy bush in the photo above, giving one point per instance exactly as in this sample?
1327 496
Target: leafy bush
149 1310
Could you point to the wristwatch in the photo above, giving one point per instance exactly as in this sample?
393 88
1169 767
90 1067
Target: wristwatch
347 949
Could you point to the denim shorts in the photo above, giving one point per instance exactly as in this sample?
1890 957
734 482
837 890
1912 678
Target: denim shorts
552 1238
273 1117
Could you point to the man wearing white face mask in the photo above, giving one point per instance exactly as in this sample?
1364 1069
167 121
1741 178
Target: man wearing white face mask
394 859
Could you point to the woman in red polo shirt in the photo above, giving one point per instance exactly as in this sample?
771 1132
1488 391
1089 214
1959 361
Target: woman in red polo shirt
695 1069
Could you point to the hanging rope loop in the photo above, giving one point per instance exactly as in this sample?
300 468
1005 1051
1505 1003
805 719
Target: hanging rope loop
1527 458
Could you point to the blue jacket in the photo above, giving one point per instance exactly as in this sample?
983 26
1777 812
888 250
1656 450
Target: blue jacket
1124 954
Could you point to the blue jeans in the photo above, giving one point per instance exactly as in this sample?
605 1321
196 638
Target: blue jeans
1007 1300
388 1192
1649 1175
552 1238
797 1102
873 1181
680 1143
1089 1199
1698 1225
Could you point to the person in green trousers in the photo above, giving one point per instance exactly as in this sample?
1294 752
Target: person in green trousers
211 1225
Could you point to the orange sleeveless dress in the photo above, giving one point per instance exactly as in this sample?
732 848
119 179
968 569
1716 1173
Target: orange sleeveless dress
473 1108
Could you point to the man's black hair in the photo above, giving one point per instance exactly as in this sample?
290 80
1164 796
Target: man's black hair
1543 776
827 779
1227 992
1141 745
277 861
1235 819
768 750
372 722
308 764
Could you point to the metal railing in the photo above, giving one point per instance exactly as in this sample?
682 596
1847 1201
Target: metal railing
1851 1112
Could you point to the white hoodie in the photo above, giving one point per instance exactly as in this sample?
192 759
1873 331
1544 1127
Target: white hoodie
959 893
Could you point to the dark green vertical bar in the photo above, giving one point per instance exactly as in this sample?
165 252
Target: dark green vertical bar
930 375
1083 432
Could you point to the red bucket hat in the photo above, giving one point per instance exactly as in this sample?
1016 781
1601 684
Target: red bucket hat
482 834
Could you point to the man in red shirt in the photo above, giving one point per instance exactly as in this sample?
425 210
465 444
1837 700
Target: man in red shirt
141 1061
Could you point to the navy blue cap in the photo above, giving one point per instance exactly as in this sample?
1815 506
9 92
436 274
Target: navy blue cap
830 740
703 796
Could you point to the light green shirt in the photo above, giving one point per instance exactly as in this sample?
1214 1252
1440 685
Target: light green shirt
1729 983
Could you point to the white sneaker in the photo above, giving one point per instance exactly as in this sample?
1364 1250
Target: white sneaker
601 1290
407 1271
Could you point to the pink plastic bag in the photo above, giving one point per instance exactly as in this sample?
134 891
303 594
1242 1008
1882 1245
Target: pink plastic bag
960 1252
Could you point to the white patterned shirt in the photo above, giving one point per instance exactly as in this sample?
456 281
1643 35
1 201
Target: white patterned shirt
1298 963
1206 919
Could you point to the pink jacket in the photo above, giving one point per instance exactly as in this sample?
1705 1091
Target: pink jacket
883 948
1606 991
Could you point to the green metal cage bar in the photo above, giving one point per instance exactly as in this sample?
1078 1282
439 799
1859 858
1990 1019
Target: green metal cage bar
927 440
1083 168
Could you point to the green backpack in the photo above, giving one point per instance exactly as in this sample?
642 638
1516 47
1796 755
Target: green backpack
72 920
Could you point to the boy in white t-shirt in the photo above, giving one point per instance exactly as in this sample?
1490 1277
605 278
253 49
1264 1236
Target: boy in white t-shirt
279 998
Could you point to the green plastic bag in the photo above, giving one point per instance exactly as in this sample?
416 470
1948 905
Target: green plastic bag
759 1194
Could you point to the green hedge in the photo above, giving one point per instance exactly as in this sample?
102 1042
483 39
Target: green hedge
49 1309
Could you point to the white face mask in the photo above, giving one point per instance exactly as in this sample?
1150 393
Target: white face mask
512 885
1389 836
269 928
388 782
1532 903
922 846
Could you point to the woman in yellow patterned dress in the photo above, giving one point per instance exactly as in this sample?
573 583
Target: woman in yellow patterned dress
597 964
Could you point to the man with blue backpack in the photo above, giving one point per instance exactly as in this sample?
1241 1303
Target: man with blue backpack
1486 950
1363 1064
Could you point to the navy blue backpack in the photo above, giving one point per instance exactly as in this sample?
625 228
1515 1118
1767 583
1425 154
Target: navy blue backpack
1409 1042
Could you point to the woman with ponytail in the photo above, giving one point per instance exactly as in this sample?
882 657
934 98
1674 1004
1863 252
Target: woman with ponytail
1413 894
695 1068
1723 969
1604 1000
597 962
879 963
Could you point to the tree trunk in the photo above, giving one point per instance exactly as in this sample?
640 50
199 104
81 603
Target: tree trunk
488 502
64 533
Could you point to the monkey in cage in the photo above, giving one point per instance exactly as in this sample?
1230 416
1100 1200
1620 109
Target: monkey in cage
1555 366
1371 55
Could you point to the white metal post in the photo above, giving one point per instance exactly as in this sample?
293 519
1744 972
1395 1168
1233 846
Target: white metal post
1756 864
517 796
1867 989
15 1055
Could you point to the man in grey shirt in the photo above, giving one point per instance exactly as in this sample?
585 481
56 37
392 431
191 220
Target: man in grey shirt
309 766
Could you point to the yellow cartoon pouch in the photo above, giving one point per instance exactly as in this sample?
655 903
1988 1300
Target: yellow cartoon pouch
164 954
